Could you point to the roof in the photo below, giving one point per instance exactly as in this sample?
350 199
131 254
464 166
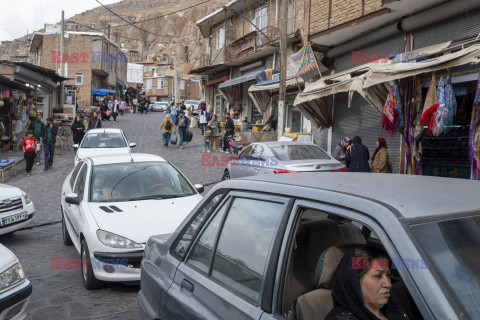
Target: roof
125 158
49 73
284 143
14 85
100 130
412 196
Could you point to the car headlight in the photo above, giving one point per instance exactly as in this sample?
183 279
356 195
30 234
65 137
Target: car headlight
26 197
115 241
11 276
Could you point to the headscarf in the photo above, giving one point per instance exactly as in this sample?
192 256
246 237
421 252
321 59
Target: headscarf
357 139
344 140
382 143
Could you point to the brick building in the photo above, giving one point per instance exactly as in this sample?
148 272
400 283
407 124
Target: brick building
91 60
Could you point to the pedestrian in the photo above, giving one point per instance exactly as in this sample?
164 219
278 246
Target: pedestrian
94 122
115 109
147 105
380 158
168 125
357 156
78 130
207 137
29 145
169 109
229 131
174 112
182 124
103 110
202 121
135 103
37 128
123 105
341 149
49 136
215 128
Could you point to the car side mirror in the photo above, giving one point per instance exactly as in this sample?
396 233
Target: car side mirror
133 145
72 198
76 146
199 188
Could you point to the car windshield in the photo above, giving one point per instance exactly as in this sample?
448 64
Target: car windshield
289 152
191 102
455 253
104 140
138 181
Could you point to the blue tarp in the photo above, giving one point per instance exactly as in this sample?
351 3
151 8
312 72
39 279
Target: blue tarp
103 92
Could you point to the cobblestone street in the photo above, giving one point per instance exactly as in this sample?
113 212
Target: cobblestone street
58 293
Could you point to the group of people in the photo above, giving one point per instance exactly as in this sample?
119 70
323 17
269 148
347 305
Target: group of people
111 107
356 156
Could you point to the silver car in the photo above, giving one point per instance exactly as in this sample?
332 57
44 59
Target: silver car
159 106
281 157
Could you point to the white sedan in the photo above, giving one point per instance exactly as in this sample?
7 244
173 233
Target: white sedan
16 209
15 289
103 141
111 205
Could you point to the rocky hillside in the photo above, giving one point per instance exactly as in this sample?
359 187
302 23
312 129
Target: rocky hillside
170 25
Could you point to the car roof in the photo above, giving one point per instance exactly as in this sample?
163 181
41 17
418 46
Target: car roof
412 196
284 143
124 158
107 130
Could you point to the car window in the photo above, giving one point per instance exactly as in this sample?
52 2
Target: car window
75 173
245 241
80 183
246 152
104 140
186 239
289 152
258 152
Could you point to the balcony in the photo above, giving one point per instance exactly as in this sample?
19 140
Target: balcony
250 43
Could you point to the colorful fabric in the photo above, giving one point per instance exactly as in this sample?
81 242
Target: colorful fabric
391 114
442 111
450 104
430 107
474 142
417 129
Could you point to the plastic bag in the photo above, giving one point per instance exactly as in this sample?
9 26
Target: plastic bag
173 139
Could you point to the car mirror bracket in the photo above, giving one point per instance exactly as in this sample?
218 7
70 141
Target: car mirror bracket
72 198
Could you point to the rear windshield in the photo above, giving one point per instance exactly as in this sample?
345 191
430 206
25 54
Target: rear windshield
455 253
104 140
298 152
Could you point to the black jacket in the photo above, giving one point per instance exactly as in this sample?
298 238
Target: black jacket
357 158
91 124
229 126
78 133
45 133
32 127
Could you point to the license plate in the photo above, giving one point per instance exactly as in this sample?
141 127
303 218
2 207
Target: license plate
14 218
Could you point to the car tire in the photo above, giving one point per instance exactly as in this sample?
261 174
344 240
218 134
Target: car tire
65 235
88 277
226 175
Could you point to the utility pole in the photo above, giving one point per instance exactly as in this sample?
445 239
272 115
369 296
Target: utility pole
62 64
283 68
175 86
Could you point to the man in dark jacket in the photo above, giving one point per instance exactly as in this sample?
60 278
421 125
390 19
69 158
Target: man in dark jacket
357 156
182 123
49 137
229 131
94 121
37 127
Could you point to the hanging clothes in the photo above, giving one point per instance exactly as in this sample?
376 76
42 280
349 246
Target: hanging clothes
417 131
391 114
442 111
474 142
430 107
450 104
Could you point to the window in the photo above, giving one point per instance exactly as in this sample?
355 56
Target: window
298 152
74 174
79 79
257 153
182 246
160 83
80 183
221 38
148 84
182 85
245 153
260 18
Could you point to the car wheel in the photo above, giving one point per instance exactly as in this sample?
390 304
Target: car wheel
88 277
66 236
226 175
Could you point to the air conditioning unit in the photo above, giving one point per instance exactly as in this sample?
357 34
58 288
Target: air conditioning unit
276 76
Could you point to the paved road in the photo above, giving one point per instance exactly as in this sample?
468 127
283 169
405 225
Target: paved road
58 293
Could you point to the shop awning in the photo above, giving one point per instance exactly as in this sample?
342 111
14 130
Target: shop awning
261 93
6 82
103 92
215 81
254 76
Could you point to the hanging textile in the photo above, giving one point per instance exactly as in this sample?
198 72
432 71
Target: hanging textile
430 107
417 130
474 142
450 104
442 111
391 114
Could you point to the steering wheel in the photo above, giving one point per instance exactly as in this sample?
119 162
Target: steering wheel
160 185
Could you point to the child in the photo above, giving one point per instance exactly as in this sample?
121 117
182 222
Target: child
30 148
207 136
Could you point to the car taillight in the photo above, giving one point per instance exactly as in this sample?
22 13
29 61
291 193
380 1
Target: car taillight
282 171
339 170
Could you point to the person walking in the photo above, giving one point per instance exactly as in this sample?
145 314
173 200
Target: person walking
357 156
169 109
380 158
182 124
78 130
94 122
207 137
202 121
37 128
174 112
115 109
229 131
123 105
49 137
168 125
214 126
340 150
29 145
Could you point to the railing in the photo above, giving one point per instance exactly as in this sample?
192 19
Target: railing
250 43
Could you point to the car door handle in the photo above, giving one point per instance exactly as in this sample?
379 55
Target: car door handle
187 285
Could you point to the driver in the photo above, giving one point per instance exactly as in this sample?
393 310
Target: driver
101 190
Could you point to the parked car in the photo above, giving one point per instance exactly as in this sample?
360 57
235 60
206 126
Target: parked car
192 103
15 288
159 106
103 141
16 209
281 157
112 204
263 247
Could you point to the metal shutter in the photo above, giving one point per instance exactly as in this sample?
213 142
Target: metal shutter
321 138
364 121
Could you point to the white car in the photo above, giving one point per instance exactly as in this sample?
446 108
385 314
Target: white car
16 209
15 288
159 106
192 103
111 205
102 141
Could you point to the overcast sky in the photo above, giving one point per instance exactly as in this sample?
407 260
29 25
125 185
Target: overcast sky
18 16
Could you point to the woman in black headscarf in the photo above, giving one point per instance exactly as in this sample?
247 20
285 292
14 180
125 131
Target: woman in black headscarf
357 156
78 130
361 287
